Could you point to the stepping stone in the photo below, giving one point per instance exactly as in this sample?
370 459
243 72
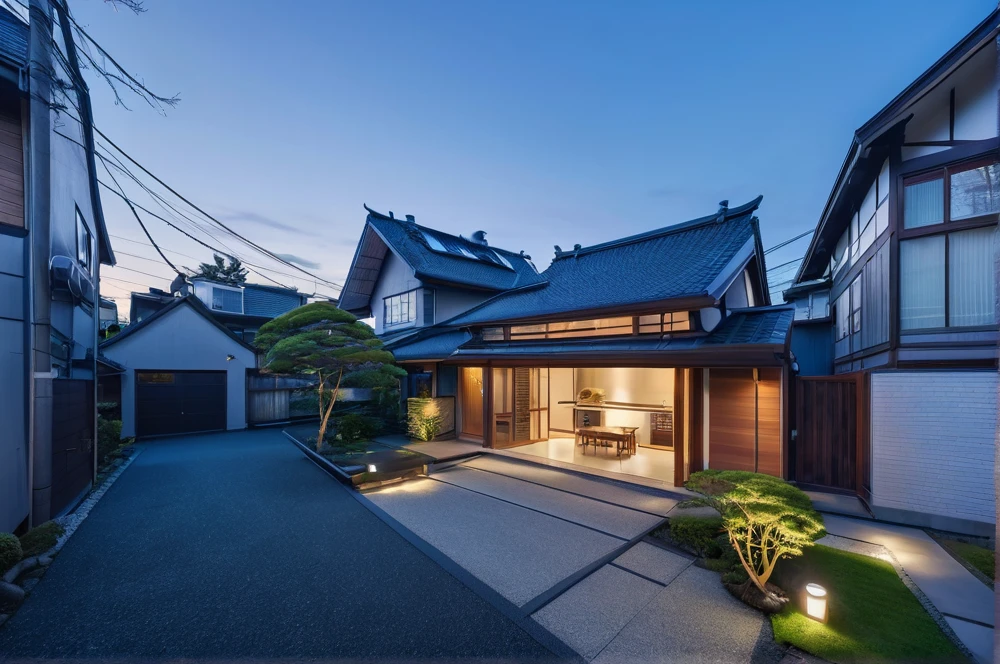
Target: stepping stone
652 562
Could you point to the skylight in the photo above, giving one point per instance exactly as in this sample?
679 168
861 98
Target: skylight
434 243
446 244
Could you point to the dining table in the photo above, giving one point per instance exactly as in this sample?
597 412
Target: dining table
622 438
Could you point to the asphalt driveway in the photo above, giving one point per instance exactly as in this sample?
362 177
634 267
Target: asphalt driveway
234 546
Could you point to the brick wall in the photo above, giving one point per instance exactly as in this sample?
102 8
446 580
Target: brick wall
933 442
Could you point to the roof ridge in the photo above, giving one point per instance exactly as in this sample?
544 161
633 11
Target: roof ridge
728 215
413 224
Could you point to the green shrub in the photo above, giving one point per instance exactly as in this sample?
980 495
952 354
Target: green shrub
424 419
40 539
696 533
353 427
109 437
10 551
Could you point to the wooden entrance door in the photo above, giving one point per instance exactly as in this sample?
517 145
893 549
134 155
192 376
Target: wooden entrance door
472 401
827 426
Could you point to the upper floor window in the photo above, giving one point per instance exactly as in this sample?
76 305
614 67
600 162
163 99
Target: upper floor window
677 321
399 309
848 307
952 194
946 275
224 299
84 243
867 223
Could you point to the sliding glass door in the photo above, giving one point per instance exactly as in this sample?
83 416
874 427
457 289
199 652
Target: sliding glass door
520 405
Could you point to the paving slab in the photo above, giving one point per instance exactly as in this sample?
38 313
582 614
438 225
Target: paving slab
516 551
976 638
611 519
439 450
694 619
653 562
647 500
590 614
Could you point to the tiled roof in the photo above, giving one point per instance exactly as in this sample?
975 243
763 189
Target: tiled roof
455 260
13 38
760 326
673 262
436 347
410 243
190 300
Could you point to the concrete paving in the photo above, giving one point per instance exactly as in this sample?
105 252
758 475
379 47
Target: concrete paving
618 493
518 552
965 601
694 619
590 614
611 519
652 562
439 450
235 546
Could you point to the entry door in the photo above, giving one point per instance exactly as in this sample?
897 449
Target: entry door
174 402
472 401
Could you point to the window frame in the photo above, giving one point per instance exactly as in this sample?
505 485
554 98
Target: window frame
945 228
542 331
84 253
411 308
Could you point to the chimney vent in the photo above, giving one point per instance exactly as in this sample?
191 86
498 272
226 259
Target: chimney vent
479 237
410 218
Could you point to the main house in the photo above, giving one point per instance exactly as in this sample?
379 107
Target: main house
667 336
896 304
52 244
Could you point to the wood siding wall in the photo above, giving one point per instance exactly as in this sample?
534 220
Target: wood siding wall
745 420
472 401
11 171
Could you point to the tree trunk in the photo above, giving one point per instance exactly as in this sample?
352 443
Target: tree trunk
325 417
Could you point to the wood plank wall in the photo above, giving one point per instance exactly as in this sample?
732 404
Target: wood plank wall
472 401
11 171
745 420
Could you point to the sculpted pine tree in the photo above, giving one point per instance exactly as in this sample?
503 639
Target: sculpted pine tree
330 343
766 518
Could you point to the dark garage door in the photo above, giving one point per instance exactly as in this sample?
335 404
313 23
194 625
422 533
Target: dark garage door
171 402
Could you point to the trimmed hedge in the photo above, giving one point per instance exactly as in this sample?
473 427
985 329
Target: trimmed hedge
10 551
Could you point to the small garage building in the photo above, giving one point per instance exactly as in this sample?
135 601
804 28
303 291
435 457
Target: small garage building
184 372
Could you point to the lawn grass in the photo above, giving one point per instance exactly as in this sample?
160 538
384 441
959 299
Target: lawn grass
873 617
978 556
40 539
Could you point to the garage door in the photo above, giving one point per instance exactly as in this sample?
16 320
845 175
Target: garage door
172 402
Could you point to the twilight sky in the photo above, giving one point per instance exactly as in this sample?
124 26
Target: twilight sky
541 123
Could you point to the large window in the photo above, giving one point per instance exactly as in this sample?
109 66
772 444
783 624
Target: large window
946 247
849 310
400 309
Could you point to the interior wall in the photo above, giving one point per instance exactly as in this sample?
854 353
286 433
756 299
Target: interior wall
633 385
561 388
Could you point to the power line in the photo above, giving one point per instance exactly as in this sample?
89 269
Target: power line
146 274
786 242
210 217
772 269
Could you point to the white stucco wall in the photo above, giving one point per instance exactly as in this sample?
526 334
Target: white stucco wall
183 339
396 277
933 442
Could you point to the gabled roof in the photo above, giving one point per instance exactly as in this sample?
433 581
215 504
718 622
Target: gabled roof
434 257
694 260
884 128
189 300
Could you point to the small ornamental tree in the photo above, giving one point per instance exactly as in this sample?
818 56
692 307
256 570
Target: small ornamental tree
333 345
766 519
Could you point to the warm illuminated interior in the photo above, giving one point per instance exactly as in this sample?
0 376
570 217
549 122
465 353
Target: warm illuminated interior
580 415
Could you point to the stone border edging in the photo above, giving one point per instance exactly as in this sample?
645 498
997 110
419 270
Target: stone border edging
889 556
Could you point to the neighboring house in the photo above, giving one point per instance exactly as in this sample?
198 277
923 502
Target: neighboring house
905 251
673 326
181 371
52 243
242 309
